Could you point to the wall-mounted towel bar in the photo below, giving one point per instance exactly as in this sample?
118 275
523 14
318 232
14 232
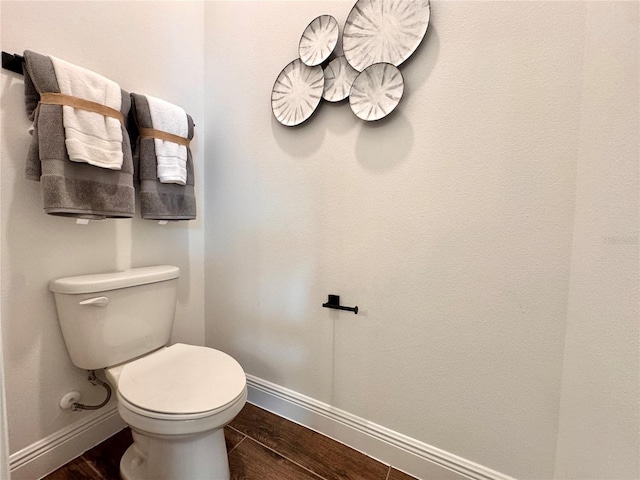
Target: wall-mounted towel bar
334 302
13 62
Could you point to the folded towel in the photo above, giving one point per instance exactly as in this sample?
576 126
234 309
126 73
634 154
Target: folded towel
171 156
71 188
90 137
159 201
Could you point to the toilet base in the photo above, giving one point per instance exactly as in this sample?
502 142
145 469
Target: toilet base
187 457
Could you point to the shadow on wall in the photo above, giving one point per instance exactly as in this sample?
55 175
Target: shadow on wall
380 145
418 67
374 149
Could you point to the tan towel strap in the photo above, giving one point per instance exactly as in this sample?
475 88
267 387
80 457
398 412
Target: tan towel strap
169 137
51 98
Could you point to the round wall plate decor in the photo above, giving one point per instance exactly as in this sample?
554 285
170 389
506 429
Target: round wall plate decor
376 91
319 40
297 93
338 78
384 31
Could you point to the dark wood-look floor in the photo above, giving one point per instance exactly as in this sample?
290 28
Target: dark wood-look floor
261 446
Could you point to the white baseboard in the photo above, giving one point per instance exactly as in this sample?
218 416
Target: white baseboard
50 453
403 453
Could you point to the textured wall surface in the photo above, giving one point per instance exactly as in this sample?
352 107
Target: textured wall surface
449 224
599 432
147 50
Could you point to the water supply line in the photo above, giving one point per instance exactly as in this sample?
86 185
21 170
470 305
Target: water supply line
94 381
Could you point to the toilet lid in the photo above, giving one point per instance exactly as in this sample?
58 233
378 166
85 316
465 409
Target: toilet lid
182 379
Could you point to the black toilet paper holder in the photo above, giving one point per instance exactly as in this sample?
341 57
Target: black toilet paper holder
334 302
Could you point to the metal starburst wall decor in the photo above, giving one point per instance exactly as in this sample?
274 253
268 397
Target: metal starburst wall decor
378 36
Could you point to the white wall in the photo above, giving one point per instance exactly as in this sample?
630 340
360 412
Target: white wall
4 438
158 51
450 224
599 430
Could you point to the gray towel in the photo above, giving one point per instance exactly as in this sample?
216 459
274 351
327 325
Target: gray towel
159 201
69 188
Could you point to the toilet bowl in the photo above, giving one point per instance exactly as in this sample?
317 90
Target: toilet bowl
177 401
177 398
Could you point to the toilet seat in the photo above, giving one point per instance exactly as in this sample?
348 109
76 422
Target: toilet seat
123 404
181 382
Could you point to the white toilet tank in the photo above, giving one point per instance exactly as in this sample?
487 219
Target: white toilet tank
110 318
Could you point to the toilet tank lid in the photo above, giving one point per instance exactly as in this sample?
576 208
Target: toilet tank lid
101 282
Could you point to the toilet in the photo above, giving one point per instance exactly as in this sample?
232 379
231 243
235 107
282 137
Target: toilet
177 398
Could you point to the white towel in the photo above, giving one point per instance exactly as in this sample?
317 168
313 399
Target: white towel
90 137
171 157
